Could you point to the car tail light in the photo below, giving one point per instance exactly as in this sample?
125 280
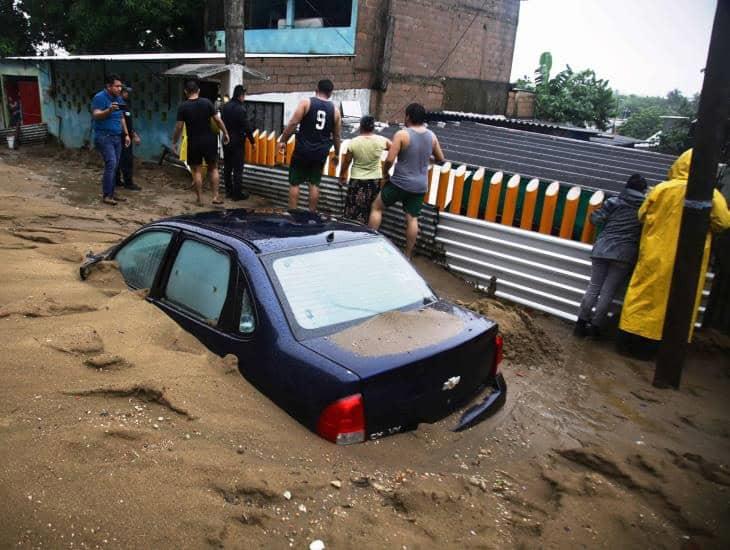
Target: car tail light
343 422
498 353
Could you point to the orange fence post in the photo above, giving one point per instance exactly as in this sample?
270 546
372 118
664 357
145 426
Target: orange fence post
289 149
443 187
528 204
548 208
589 230
510 200
570 210
261 148
475 194
331 168
495 188
280 157
249 151
430 179
271 149
458 192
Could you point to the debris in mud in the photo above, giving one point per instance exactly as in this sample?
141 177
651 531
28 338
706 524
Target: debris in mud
525 342
398 332
107 361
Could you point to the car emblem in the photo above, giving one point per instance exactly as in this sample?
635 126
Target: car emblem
451 383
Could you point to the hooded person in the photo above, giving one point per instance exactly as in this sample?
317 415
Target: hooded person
614 254
645 304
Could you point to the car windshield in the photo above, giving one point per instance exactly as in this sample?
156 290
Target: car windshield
326 287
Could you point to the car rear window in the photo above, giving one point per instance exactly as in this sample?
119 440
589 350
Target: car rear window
334 285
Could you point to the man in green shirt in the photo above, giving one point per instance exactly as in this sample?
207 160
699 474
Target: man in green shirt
364 154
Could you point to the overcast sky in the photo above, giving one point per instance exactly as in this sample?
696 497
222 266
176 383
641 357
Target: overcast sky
646 47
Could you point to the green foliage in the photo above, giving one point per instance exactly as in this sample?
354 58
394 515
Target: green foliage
578 98
542 73
121 26
643 123
644 118
15 34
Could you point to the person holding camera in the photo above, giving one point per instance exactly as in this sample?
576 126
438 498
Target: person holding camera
110 133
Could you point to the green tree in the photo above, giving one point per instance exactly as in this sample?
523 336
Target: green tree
121 26
579 98
15 35
643 123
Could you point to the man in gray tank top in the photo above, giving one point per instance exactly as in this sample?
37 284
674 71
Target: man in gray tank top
413 147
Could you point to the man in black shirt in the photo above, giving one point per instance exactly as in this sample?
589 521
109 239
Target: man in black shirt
196 113
125 170
319 129
235 118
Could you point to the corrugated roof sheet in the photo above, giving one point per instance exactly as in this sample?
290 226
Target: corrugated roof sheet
533 155
156 56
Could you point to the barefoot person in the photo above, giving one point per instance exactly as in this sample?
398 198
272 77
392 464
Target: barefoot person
319 129
413 147
195 113
364 153
110 133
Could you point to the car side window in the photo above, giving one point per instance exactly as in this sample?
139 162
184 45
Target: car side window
247 322
198 280
140 258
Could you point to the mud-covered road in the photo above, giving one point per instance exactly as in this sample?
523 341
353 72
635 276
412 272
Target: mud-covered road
119 430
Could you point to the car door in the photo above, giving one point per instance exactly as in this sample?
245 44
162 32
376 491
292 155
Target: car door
198 290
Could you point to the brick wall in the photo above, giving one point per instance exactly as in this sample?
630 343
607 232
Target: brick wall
423 35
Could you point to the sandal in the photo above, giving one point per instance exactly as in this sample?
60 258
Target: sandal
218 201
109 200
118 199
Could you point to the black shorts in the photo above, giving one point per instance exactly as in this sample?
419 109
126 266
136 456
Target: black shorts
200 150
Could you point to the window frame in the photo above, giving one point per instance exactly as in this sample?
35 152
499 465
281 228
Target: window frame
305 40
165 257
224 319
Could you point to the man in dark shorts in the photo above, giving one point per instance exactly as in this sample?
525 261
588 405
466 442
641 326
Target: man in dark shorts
319 129
195 113
413 147
235 118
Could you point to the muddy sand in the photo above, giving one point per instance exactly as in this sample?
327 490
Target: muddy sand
118 429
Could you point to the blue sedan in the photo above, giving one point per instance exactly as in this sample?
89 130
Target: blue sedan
297 298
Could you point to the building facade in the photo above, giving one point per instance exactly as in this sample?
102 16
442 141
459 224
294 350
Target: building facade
382 54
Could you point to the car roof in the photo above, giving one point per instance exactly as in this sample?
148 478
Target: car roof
273 230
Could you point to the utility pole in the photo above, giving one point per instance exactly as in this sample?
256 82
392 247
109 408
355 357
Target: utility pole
235 42
712 117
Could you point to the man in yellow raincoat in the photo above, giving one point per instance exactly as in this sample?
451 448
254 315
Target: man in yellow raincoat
646 299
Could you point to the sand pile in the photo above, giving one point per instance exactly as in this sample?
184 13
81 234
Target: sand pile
525 342
398 332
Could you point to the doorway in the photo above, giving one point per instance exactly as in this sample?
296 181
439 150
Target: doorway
25 89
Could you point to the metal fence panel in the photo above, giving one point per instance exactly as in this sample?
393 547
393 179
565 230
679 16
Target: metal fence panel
273 185
540 271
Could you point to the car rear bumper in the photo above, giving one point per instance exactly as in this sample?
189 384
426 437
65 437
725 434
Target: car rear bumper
487 407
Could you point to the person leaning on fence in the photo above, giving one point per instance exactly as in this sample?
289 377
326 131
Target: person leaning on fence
645 304
413 147
614 254
364 153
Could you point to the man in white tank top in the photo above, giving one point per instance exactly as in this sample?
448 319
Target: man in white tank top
414 146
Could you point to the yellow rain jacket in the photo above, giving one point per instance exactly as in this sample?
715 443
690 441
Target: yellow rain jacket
646 299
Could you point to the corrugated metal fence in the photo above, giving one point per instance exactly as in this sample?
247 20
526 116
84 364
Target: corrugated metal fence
273 184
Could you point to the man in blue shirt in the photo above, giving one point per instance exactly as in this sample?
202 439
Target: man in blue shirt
110 133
